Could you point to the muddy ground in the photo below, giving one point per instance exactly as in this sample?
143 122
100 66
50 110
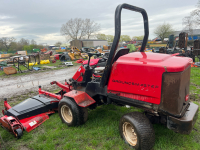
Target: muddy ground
28 84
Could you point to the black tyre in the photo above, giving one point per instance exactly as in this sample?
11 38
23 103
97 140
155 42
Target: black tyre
137 131
69 112
19 133
65 58
83 114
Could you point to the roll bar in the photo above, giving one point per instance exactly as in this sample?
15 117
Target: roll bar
106 74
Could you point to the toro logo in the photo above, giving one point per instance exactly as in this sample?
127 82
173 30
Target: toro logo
136 84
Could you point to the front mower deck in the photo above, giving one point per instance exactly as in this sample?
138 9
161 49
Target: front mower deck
33 106
30 113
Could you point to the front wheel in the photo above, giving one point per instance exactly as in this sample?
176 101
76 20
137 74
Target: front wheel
137 131
69 112
72 114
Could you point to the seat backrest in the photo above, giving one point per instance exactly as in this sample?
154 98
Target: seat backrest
120 52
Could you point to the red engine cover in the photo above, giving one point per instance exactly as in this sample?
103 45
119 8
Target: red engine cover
138 75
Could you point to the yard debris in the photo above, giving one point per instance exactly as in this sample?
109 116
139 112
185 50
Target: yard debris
68 63
44 62
9 70
53 61
80 61
197 64
50 67
36 68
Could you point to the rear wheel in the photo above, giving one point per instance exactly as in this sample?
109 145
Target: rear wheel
137 131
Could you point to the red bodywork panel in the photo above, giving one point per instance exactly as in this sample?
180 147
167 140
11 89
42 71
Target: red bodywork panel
138 75
34 121
92 62
81 98
77 76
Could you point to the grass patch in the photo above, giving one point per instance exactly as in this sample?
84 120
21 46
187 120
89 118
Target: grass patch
101 130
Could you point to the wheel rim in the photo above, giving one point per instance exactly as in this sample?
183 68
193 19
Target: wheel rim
66 113
129 134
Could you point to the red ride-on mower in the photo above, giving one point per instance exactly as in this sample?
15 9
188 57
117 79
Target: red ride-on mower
157 83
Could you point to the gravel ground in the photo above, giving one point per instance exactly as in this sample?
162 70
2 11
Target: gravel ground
15 86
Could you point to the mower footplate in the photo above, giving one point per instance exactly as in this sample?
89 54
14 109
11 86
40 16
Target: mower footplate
33 106
184 125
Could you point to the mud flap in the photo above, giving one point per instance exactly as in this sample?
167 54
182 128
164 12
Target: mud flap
81 98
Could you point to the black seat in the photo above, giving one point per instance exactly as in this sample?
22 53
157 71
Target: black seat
120 52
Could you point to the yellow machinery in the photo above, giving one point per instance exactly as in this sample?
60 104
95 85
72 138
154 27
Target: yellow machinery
75 53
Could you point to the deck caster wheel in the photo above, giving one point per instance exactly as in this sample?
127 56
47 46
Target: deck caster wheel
69 112
137 131
19 133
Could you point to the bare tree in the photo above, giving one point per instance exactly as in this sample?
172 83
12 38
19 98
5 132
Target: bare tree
163 30
23 41
188 23
33 42
6 42
78 28
90 27
195 14
73 28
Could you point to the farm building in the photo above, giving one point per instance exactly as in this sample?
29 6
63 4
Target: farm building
192 35
88 43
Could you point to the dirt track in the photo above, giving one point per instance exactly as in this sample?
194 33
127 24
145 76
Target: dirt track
29 83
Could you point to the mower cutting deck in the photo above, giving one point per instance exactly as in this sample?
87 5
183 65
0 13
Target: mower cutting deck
32 112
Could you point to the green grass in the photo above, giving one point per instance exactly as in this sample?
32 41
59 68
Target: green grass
101 130
58 66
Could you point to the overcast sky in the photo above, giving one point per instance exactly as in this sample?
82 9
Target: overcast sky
41 20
